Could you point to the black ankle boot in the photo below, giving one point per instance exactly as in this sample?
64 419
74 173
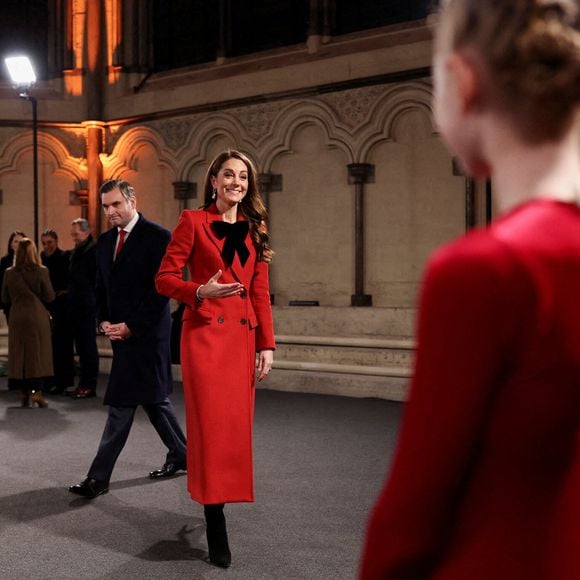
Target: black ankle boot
217 535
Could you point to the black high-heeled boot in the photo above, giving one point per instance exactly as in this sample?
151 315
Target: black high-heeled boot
217 535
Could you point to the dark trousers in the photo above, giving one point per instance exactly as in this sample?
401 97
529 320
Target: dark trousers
119 421
85 335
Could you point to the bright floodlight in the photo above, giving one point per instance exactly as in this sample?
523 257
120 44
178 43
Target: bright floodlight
21 71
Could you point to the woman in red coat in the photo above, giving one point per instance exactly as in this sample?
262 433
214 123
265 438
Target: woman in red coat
485 483
227 320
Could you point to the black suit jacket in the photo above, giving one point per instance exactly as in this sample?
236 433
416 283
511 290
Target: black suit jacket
141 369
81 292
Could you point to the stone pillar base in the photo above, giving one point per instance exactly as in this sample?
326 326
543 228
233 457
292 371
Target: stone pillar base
361 300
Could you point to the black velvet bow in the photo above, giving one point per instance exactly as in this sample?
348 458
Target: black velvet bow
235 234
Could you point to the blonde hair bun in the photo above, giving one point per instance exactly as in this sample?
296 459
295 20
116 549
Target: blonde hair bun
532 49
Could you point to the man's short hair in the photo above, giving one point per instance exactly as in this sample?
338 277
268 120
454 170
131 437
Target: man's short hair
50 233
123 186
82 223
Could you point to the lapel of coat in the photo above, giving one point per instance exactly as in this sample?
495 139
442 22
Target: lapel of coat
132 243
236 267
108 241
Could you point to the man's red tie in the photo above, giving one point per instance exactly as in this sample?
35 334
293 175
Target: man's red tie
122 234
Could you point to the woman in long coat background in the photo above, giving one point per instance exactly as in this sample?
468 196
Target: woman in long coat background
227 320
26 288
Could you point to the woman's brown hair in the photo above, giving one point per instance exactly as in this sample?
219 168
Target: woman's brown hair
251 207
27 257
12 236
532 50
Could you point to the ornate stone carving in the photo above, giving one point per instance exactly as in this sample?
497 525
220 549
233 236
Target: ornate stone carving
257 119
174 132
112 135
352 106
74 141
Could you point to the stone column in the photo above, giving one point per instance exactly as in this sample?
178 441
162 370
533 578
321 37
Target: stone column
80 197
268 182
182 191
223 47
314 39
95 137
359 174
320 24
488 201
265 181
96 43
328 20
60 53
470 215
95 46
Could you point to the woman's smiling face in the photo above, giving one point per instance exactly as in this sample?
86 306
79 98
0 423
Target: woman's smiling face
231 182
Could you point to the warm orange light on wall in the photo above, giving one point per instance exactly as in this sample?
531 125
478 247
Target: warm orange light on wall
114 26
73 82
86 49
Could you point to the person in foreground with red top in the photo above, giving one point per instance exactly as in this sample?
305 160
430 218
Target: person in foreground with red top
227 320
485 482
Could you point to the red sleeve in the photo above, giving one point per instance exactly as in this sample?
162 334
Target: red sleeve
169 280
467 320
260 296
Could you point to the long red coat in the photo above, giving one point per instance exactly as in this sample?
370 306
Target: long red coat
219 341
485 483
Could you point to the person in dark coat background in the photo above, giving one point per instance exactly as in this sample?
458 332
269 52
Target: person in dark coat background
137 321
58 263
7 261
82 306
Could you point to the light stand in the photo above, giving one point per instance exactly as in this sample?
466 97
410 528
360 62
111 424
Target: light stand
23 77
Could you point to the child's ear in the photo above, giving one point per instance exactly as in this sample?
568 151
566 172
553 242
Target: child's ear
467 79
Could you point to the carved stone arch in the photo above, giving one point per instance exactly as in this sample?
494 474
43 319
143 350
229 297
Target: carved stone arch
51 148
124 156
400 99
201 135
291 118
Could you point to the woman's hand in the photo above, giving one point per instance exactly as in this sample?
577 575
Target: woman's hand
264 364
211 289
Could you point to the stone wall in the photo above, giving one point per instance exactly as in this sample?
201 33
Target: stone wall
304 118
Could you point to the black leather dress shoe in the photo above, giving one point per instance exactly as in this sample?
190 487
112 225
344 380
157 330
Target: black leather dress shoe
90 488
168 470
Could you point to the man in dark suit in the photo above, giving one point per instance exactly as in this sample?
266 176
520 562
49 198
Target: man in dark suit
137 321
58 263
81 303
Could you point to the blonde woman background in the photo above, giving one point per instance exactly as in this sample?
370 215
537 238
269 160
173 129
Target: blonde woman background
26 288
